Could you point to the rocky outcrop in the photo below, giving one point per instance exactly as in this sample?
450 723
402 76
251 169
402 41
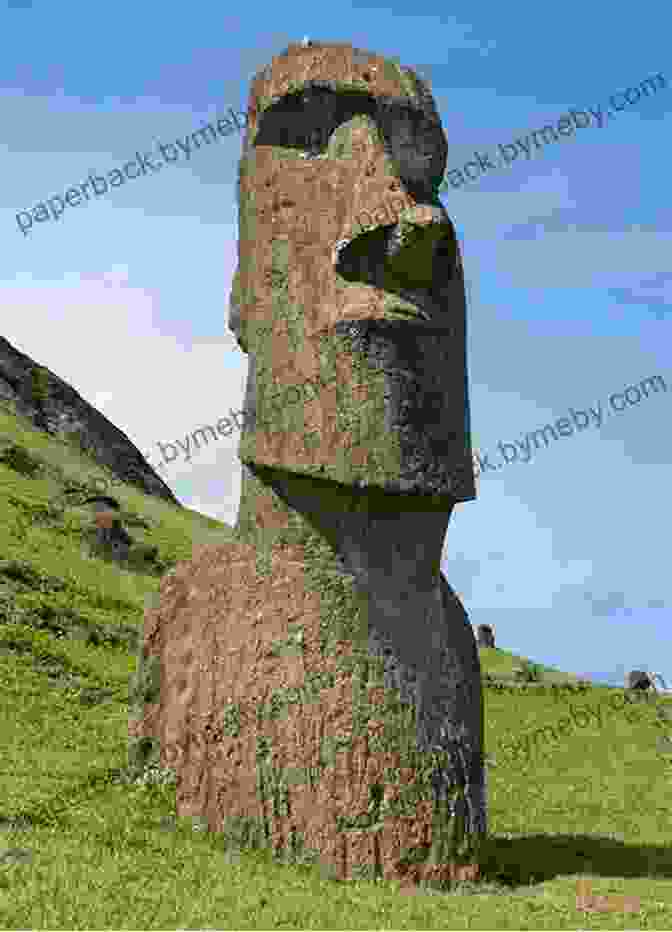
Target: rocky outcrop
485 636
53 406
315 683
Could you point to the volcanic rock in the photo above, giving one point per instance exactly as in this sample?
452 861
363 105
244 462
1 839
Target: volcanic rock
314 684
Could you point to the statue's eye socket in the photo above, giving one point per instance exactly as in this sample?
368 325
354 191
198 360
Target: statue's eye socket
308 119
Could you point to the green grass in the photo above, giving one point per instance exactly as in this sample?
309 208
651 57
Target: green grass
81 849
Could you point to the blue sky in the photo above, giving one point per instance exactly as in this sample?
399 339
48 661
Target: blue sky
566 256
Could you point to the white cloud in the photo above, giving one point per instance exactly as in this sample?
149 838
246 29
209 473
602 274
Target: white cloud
99 330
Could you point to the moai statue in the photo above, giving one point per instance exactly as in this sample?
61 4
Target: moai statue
111 538
314 683
638 679
485 636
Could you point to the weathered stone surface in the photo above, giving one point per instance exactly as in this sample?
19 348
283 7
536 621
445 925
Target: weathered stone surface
280 723
35 392
315 683
485 636
376 317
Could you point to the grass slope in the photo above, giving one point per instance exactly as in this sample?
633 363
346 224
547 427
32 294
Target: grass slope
82 849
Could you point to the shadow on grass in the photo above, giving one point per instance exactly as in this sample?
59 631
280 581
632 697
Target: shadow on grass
537 858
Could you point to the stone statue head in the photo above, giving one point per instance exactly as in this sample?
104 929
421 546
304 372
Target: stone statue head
349 293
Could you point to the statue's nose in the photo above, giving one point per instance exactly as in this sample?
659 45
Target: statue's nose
406 250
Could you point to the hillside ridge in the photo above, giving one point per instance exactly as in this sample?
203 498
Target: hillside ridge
54 407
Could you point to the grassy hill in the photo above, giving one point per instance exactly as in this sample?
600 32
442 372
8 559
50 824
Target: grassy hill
82 847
